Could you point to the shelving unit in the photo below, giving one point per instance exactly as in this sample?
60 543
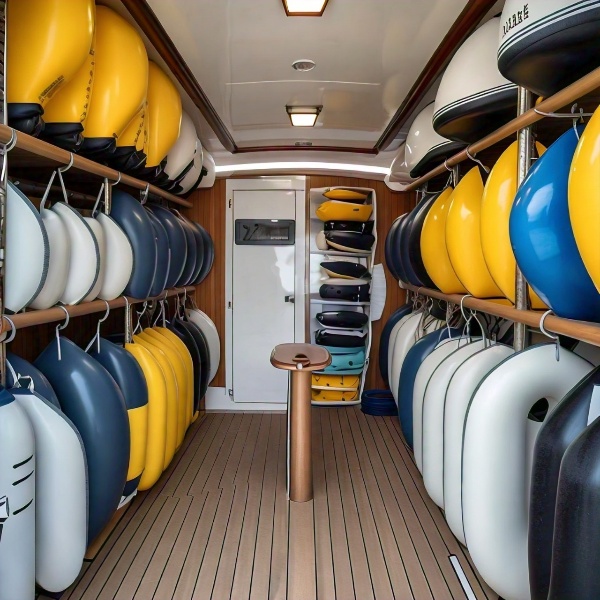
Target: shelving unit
318 304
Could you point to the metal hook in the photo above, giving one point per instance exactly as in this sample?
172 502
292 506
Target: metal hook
140 315
98 198
71 160
112 183
447 167
47 192
62 185
100 321
145 193
462 308
552 337
570 115
476 160
13 332
59 328
7 148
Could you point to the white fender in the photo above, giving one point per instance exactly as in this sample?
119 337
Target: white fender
27 251
84 265
61 493
208 162
208 328
462 386
428 366
432 440
58 266
497 453
183 151
17 502
118 259
98 232
191 178
392 341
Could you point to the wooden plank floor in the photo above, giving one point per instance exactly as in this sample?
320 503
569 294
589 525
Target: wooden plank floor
218 523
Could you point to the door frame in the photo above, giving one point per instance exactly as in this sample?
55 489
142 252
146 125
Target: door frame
290 183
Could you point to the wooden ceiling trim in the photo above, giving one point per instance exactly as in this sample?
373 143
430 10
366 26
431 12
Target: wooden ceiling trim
462 28
151 26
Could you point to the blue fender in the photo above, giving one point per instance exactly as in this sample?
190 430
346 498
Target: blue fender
163 256
402 237
192 254
40 382
414 239
208 257
384 339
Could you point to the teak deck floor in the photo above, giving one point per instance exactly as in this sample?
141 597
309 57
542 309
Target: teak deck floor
218 524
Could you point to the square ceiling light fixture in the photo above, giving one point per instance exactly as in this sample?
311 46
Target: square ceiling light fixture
303 116
304 8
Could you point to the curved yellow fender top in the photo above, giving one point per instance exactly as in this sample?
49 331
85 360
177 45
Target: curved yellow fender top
71 102
337 382
49 41
189 365
433 246
157 415
333 396
584 197
163 115
172 394
463 237
343 194
498 197
336 210
120 76
179 370
134 133
164 336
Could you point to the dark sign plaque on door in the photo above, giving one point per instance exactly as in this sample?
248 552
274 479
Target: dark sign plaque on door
265 232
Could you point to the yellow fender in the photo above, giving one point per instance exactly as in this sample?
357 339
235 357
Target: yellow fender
498 197
156 414
463 237
120 77
433 246
164 336
134 134
584 197
342 194
179 371
163 115
49 41
337 210
172 394
333 396
189 365
337 382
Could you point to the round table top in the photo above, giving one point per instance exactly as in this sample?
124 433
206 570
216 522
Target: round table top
301 357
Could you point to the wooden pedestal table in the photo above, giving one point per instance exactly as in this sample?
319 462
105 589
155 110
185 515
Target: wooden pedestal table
301 360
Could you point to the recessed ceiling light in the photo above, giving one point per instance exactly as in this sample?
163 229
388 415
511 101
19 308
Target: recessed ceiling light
303 116
304 8
303 65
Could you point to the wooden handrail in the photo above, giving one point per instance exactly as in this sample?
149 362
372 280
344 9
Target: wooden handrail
56 313
588 83
581 330
41 148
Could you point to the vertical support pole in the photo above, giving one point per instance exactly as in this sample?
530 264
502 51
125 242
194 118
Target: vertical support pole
525 142
301 479
2 183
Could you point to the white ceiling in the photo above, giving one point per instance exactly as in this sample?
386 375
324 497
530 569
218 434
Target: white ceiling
368 53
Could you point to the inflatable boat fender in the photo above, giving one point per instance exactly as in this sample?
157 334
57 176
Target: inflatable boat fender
84 261
191 255
208 253
17 501
414 357
91 399
130 378
338 210
199 243
384 339
209 330
163 256
20 367
389 248
61 493
462 386
414 239
432 436
177 243
500 432
392 340
402 243
203 349
208 163
157 415
98 232
118 259
27 251
566 422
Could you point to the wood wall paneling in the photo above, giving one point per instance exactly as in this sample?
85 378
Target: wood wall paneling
209 207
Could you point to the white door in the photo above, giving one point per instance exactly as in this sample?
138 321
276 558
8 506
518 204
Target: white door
263 289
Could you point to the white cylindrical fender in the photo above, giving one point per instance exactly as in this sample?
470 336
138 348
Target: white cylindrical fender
208 162
392 342
58 264
118 259
17 502
183 151
462 386
497 454
428 366
434 402
98 232
209 329
61 493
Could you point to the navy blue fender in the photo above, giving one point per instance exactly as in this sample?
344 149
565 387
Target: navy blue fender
163 256
402 247
384 340
200 252
576 548
25 369
192 254
414 239
564 424
415 356
203 349
190 343
177 242
389 247
208 254
92 400
129 376
134 220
